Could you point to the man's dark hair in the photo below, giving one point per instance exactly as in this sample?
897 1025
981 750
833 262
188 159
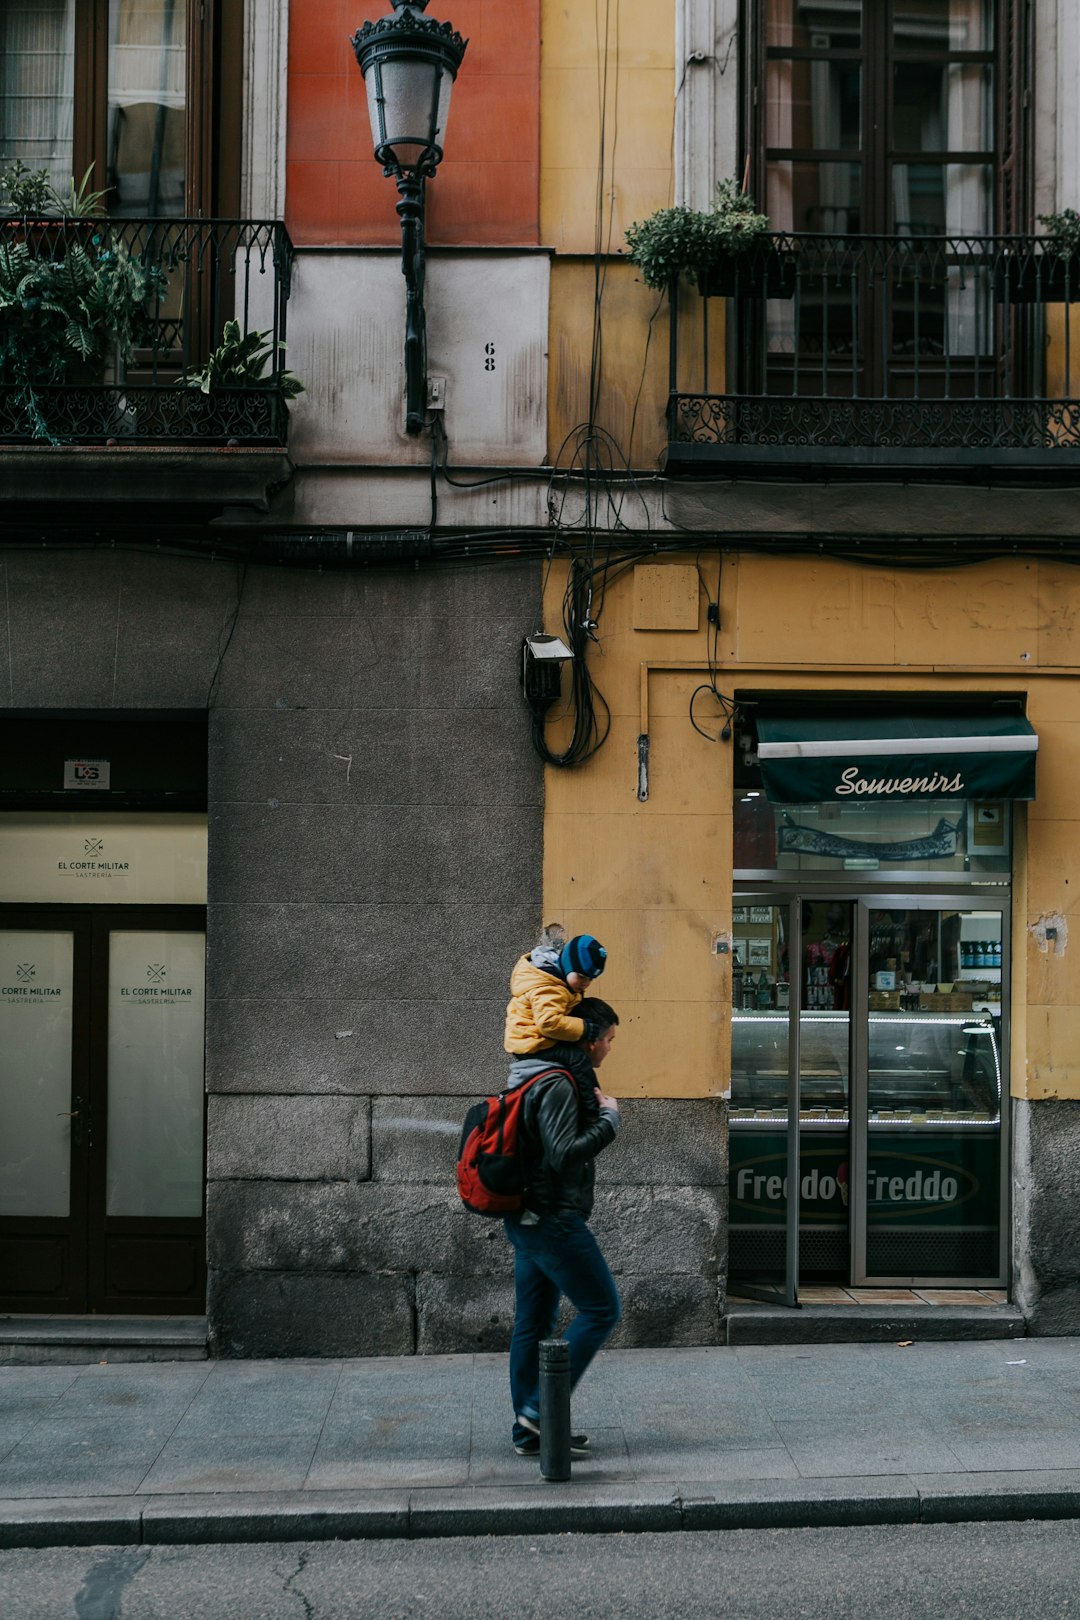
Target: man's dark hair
596 1011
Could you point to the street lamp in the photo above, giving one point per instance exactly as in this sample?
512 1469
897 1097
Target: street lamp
409 63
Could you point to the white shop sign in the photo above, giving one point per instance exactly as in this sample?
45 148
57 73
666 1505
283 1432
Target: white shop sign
88 859
86 774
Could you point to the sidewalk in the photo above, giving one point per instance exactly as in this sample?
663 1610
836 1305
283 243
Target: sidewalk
419 1446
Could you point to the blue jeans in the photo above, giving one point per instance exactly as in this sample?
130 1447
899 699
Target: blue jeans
559 1256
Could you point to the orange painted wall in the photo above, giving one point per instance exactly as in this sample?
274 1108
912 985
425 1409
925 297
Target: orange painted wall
488 187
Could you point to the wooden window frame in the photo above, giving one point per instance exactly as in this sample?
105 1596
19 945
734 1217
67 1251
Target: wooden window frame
1010 155
215 41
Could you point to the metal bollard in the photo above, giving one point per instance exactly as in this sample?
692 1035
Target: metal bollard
554 1409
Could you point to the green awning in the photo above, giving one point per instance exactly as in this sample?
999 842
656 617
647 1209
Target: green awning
812 758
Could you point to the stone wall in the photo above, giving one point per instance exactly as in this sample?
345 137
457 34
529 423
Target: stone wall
369 1252
1046 1227
375 866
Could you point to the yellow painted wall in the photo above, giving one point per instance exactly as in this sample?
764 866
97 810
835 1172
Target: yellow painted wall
611 68
606 159
634 360
598 175
653 880
1062 357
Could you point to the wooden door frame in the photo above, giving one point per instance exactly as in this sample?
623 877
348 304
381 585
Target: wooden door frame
72 1228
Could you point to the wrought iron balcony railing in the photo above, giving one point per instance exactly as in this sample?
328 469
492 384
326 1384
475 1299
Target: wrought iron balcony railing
167 287
945 351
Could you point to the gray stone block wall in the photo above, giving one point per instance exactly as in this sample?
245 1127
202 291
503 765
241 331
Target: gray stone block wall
660 1217
376 824
1046 1214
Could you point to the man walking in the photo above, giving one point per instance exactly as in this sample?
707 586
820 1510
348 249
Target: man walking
567 1122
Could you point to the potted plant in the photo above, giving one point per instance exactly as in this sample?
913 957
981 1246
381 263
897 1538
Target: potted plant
724 250
1050 277
71 295
235 368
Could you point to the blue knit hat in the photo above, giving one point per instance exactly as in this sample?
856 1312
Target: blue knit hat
583 954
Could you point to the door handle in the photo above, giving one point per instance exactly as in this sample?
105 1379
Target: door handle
75 1115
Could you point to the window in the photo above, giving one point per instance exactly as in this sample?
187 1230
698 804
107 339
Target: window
144 91
885 116
888 133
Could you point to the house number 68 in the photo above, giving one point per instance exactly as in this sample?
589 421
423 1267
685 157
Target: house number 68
489 357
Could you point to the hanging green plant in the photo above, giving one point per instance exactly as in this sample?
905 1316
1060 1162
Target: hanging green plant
686 241
71 294
30 194
1062 231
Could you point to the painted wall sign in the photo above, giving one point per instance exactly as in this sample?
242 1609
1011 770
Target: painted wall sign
92 774
936 1180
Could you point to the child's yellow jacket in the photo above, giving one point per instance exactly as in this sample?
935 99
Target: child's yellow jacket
538 1013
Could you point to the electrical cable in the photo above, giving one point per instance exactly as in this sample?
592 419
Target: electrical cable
727 705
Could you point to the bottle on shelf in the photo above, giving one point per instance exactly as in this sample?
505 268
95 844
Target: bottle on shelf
763 996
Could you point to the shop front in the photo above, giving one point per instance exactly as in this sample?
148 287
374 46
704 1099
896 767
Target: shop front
870 1020
102 989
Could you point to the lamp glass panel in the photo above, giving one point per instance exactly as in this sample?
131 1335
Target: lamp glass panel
444 108
409 102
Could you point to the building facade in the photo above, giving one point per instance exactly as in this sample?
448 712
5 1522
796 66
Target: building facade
281 799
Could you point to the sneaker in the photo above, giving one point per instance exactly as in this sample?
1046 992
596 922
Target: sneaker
529 1445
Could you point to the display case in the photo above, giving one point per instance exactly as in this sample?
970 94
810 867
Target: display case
932 1120
922 1067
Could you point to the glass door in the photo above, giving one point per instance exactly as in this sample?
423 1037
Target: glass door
790 1096
101 1109
765 1141
43 1115
868 1041
929 1092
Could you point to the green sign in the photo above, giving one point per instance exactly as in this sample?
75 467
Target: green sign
844 759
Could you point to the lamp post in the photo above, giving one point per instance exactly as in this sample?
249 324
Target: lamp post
409 63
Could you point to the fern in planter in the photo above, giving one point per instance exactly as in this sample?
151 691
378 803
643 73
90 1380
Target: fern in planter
700 245
70 294
240 361
238 365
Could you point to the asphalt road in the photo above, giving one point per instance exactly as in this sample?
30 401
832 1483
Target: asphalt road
988 1572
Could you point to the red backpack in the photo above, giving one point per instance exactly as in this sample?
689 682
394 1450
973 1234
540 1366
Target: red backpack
490 1168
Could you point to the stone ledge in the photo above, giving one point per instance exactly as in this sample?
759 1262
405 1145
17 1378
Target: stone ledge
148 475
66 1341
869 1324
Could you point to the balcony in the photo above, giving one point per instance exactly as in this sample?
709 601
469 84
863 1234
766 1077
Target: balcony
125 425
879 355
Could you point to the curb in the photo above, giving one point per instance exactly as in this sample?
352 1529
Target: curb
550 1510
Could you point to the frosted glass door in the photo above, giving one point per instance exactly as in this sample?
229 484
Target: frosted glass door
36 981
155 1082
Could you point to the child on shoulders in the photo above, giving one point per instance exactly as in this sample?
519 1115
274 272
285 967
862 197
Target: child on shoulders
546 984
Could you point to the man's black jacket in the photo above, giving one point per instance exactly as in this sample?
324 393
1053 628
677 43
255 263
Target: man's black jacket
564 1130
